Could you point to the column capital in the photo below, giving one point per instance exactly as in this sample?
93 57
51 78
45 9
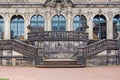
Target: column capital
110 15
6 14
47 12
69 8
27 15
68 13
48 9
89 14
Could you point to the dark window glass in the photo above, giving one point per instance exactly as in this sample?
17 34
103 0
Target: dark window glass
37 21
99 27
116 25
17 27
58 23
1 27
79 23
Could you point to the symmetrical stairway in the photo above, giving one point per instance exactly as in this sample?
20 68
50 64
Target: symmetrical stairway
58 48
83 53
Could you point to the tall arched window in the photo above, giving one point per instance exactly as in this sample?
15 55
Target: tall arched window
58 23
17 27
1 27
99 28
79 23
37 21
116 25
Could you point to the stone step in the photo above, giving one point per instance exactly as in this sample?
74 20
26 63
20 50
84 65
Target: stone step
60 62
60 66
61 56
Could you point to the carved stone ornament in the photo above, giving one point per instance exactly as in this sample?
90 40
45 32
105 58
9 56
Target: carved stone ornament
58 8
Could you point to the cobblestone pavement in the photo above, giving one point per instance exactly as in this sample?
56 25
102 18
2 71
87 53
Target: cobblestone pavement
32 73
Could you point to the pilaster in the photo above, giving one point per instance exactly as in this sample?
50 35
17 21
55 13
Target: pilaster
48 19
26 23
6 25
90 25
69 23
109 26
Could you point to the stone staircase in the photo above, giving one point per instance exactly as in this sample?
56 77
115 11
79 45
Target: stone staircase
21 47
60 63
62 60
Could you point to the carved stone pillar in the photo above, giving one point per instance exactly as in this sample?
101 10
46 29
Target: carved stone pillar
109 26
69 20
90 25
26 23
6 25
48 19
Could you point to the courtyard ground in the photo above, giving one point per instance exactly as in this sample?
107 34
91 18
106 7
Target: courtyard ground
33 73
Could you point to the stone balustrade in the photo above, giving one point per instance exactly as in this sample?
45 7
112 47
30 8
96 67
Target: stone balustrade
18 46
98 47
57 35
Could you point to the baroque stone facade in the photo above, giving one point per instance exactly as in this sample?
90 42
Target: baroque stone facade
69 9
69 12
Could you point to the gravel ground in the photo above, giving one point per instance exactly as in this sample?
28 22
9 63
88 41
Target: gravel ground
89 73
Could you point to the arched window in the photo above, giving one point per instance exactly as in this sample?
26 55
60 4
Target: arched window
37 21
58 23
99 28
1 27
116 25
79 23
17 27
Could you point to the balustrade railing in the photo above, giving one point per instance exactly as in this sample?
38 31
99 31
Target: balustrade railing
5 44
98 47
86 51
57 35
18 46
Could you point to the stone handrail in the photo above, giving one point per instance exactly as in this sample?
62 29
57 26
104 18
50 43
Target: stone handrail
87 51
57 35
97 47
19 47
28 49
